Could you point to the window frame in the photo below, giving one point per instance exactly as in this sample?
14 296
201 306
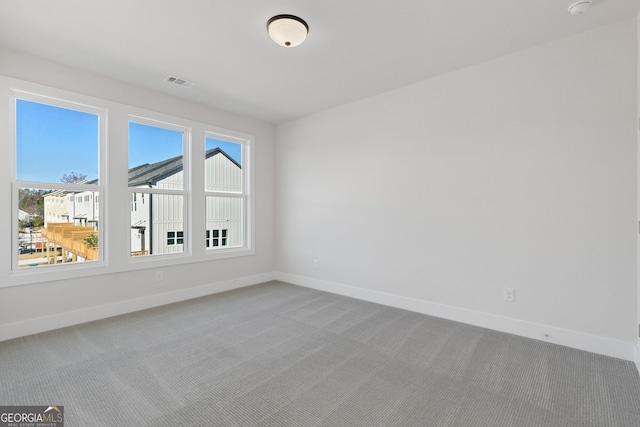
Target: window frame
114 199
246 144
154 120
76 104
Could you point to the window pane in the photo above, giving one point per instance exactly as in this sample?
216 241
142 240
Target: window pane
55 144
224 218
155 157
223 166
156 223
53 228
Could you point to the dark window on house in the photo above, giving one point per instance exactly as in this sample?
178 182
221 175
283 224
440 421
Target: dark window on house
219 238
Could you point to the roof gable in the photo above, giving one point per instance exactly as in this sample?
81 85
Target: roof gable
150 174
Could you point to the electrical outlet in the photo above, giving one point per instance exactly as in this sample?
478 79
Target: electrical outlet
159 276
508 294
316 264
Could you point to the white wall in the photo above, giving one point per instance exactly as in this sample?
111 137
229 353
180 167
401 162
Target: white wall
519 172
33 307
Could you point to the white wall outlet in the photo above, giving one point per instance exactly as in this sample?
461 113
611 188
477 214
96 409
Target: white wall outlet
159 276
316 264
508 294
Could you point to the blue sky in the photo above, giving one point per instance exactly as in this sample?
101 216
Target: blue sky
150 144
53 141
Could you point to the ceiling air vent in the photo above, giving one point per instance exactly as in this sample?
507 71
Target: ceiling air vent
178 81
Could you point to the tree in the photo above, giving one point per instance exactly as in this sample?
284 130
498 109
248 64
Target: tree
73 177
37 222
92 241
31 201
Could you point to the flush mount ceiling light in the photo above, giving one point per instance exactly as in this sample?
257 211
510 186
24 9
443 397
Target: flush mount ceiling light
287 30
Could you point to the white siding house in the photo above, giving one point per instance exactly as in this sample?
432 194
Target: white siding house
24 216
56 208
224 214
157 223
78 208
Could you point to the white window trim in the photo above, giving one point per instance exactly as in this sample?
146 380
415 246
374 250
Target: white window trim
174 124
115 198
76 103
246 144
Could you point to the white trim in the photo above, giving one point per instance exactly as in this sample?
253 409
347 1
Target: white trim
43 324
115 226
68 104
637 357
578 340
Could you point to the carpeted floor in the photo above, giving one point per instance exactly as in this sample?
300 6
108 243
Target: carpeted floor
281 355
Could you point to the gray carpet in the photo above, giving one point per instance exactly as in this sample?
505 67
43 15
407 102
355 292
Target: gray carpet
282 355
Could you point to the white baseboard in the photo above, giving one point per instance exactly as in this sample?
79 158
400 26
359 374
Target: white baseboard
593 343
578 340
48 323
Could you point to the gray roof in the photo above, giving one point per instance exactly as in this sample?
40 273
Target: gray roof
150 174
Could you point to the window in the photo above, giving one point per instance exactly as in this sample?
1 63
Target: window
157 172
216 238
175 238
57 175
68 221
225 193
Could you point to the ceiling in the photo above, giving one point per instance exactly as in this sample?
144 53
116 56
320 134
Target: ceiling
355 48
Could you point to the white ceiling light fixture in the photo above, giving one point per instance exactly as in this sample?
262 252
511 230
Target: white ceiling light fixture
579 7
287 30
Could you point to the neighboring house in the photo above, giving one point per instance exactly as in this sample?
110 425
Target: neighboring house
157 223
55 207
78 208
24 216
